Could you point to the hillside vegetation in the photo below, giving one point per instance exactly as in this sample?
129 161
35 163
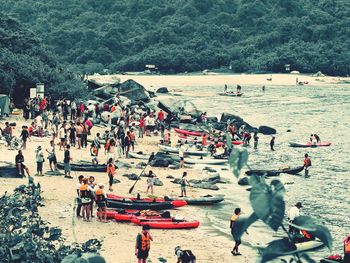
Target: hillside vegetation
191 35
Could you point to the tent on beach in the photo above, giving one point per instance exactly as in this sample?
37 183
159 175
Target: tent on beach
4 105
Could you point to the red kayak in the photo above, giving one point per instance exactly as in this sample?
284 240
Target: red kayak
309 144
220 144
110 214
138 219
119 216
129 215
171 224
175 203
186 132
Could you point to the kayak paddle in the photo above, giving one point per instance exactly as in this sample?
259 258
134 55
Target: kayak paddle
149 160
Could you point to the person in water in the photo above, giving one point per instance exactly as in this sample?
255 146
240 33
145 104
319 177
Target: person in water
239 89
256 140
233 226
225 89
318 139
346 242
293 213
307 164
272 143
143 244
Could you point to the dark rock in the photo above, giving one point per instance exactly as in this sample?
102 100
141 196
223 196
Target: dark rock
162 90
212 119
133 91
95 84
233 118
170 176
131 176
54 173
207 186
159 163
289 130
116 181
224 169
141 165
212 177
195 181
243 181
211 170
223 181
158 182
174 166
152 94
176 181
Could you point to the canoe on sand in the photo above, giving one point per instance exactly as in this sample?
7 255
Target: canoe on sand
176 150
138 205
202 200
175 202
175 224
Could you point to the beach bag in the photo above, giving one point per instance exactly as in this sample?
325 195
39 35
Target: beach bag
188 257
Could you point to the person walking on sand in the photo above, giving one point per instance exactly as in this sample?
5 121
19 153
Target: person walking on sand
233 226
111 172
39 156
143 244
272 143
85 194
183 184
52 155
93 153
80 183
307 164
182 150
24 136
101 198
66 162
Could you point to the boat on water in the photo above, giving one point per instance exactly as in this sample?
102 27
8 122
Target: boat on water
287 170
201 200
231 94
309 144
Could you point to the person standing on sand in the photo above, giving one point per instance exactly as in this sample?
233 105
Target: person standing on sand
111 172
66 162
63 136
24 135
52 155
182 150
307 164
100 198
85 194
256 140
143 244
183 184
272 143
233 221
39 156
80 179
93 153
150 182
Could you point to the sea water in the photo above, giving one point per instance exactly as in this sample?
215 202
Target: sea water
296 112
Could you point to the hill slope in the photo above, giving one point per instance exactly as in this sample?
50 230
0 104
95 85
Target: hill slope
190 35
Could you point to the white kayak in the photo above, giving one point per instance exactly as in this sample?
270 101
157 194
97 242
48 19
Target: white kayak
139 156
176 150
229 94
304 246
205 161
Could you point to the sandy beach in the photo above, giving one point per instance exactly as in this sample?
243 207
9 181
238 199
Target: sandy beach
119 238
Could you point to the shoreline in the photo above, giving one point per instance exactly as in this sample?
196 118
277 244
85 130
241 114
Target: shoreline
178 81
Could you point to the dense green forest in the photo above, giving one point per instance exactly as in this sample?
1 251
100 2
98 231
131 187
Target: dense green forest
191 35
24 61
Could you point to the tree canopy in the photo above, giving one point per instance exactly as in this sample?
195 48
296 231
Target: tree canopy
191 35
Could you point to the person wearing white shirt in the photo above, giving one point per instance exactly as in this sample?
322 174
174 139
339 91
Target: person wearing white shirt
182 150
293 213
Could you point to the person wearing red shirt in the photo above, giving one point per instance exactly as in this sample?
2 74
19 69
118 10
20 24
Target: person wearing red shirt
161 116
141 126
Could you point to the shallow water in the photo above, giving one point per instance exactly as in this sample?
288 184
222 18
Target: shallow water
303 110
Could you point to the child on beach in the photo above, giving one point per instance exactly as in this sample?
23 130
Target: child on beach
150 182
100 198
94 153
183 183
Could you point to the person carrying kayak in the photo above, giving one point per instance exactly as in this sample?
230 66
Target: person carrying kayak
233 221
183 183
307 164
143 244
293 213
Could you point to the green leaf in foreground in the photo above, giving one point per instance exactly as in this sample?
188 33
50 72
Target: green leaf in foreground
228 141
277 248
237 160
268 201
309 224
242 224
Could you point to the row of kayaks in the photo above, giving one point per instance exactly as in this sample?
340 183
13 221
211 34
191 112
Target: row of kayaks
152 219
145 211
133 203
